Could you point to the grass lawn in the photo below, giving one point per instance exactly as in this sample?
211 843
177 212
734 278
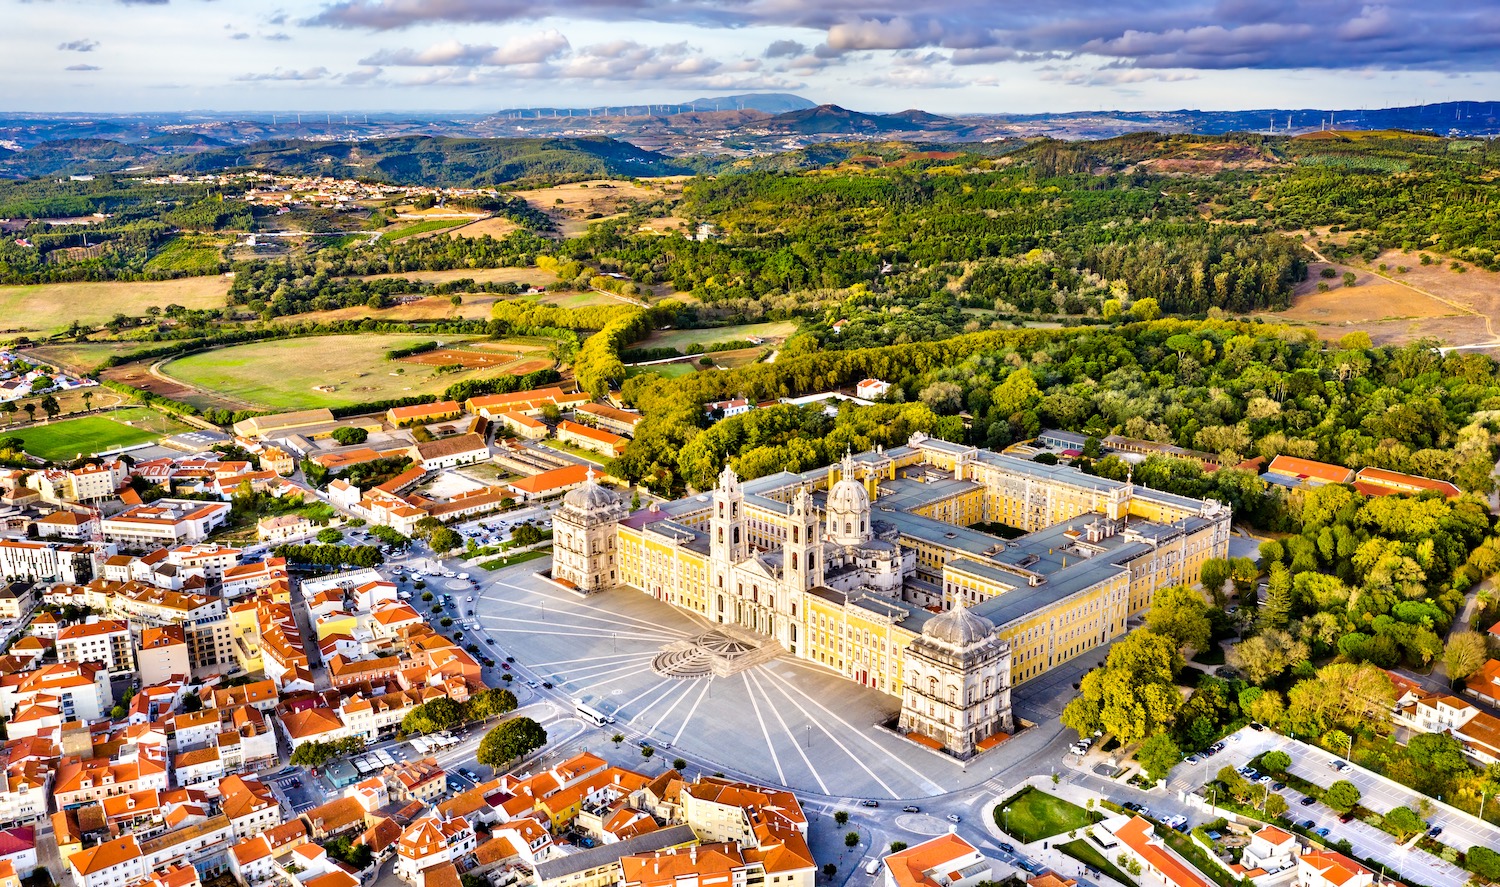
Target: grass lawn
521 558
66 438
1032 815
1088 854
572 450
282 374
681 339
665 370
48 307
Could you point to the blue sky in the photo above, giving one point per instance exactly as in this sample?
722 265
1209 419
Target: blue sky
948 56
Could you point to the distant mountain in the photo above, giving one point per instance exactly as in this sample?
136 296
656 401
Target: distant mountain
833 120
918 119
76 156
769 102
425 160
184 140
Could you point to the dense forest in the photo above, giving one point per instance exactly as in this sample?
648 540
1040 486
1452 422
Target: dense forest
1237 389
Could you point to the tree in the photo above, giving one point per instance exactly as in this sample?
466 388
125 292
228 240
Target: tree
30 412
316 753
1279 598
841 817
1276 762
424 528
1145 309
1405 822
898 846
829 870
1483 862
444 539
647 752
526 534
50 407
489 703
851 839
1274 805
330 536
1158 755
1214 575
1268 655
1181 614
617 739
679 764
1438 755
510 740
88 400
349 435
1132 696
1342 796
1464 654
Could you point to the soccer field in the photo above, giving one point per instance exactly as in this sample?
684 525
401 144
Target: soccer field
68 438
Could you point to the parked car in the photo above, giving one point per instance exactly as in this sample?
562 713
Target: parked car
869 803
1322 832
954 817
911 808
1308 801
1434 831
1277 786
1193 759
1306 823
1008 848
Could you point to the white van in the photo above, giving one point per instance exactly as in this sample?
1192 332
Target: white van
873 866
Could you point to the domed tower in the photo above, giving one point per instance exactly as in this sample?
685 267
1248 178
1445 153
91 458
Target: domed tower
956 682
848 508
583 536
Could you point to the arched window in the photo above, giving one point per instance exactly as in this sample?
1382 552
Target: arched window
794 560
847 526
795 531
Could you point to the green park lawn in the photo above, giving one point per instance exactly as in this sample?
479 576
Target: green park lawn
66 438
1086 853
317 371
1032 815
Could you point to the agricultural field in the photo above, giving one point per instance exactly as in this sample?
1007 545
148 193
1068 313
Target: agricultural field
190 254
665 370
573 206
682 339
474 307
67 438
49 307
85 357
319 371
421 227
496 227
501 361
532 275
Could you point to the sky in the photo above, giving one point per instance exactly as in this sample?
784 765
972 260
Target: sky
945 56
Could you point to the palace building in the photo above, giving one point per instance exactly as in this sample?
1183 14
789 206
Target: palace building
873 568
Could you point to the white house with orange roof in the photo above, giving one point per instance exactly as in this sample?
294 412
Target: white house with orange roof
80 690
432 841
944 861
75 526
1325 868
166 522
1270 858
110 864
251 862
209 559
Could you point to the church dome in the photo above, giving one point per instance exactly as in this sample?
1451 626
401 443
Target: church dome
590 497
959 627
848 496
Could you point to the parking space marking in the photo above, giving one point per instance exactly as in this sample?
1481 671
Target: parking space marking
764 731
776 711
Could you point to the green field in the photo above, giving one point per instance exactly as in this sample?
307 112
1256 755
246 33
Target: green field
85 357
67 438
1088 854
681 339
282 374
1032 815
424 227
665 370
191 253
48 307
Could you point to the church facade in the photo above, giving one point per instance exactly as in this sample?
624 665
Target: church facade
872 568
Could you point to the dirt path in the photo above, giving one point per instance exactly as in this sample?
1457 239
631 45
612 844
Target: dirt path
1489 325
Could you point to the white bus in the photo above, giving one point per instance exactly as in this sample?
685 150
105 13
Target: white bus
593 715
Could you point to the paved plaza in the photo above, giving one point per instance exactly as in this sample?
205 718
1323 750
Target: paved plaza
659 672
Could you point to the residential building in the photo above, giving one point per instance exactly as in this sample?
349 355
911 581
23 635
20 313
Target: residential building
280 528
549 483
609 418
447 452
113 863
1294 472
605 443
727 409
165 522
274 458
432 841
871 389
1326 868
1381 482
944 861
523 426
530 403
46 561
423 413
1161 865
75 526
105 641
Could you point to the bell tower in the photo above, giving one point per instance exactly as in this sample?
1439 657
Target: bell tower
802 548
